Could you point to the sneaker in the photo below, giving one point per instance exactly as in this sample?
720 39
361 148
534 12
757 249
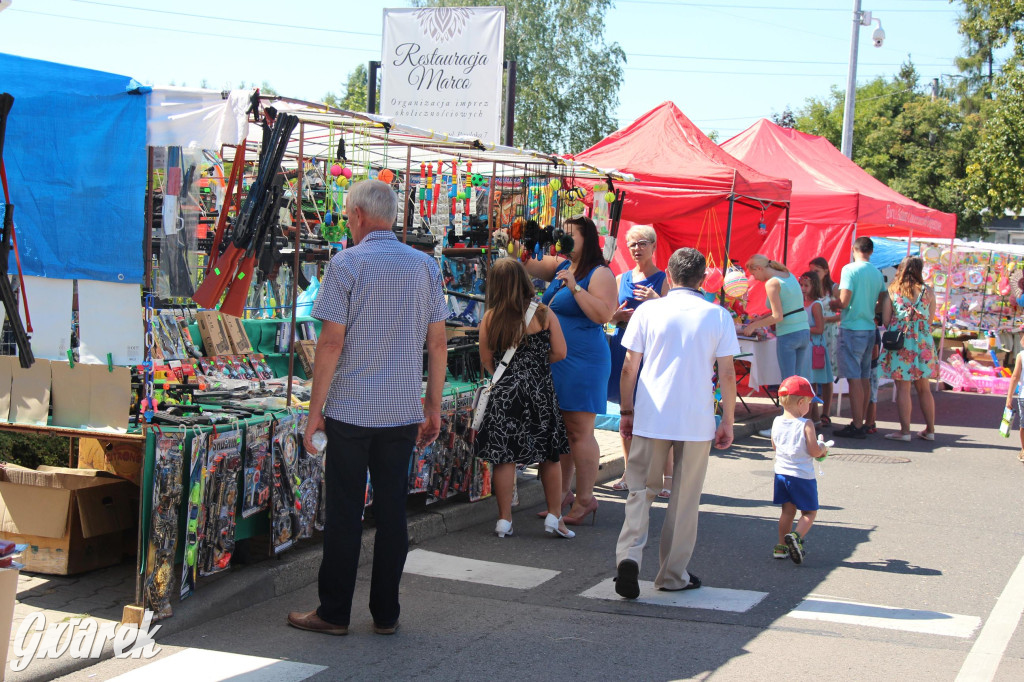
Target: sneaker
780 552
767 433
870 428
796 547
851 431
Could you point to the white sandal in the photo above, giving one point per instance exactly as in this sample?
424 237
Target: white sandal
665 493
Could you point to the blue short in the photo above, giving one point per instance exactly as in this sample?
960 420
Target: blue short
802 492
855 348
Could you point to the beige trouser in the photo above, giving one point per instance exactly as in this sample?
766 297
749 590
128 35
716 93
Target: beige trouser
679 533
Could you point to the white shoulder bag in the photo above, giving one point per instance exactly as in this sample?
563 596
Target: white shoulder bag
483 394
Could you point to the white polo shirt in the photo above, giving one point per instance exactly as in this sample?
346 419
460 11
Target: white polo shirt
680 335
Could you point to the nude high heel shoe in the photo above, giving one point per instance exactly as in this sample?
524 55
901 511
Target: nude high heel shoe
566 502
577 520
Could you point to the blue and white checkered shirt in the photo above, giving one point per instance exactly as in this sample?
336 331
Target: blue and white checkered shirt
385 293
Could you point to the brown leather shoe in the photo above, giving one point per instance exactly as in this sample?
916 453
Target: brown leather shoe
381 630
309 620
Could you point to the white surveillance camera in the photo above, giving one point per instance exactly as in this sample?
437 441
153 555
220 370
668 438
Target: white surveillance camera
878 37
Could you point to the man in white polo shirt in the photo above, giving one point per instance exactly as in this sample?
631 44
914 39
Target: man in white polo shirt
679 338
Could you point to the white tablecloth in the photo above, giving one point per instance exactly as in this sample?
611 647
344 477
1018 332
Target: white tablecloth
764 363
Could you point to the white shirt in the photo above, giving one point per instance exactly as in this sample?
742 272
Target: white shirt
680 335
791 456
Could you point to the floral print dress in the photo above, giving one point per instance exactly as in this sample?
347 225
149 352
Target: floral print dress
523 424
916 360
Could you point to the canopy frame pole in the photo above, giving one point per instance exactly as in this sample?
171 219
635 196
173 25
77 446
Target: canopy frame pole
910 240
728 243
295 267
406 216
785 240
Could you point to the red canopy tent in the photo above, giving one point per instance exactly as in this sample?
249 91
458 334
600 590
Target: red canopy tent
692 192
834 200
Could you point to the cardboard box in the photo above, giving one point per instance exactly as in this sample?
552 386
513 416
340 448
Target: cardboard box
124 460
73 520
239 340
214 333
8 595
306 350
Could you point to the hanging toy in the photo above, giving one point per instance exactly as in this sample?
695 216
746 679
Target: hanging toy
735 282
336 170
386 175
713 280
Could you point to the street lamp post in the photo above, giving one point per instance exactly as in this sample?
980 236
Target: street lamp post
859 19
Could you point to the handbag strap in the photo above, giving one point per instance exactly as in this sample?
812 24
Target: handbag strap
507 357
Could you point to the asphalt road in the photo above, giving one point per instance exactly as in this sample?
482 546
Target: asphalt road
927 535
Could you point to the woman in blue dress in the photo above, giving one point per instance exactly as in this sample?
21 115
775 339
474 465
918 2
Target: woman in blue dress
582 295
645 282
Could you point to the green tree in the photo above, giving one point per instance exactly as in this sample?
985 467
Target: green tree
354 89
567 76
785 119
917 145
995 175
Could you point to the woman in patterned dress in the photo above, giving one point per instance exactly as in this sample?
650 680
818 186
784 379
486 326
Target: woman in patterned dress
522 423
911 307
820 266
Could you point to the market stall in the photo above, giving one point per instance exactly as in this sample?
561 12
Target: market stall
834 201
691 191
193 383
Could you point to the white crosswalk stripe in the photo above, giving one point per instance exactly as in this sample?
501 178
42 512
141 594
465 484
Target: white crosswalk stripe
887 617
203 665
713 598
436 565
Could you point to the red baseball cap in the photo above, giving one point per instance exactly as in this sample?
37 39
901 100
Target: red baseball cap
797 385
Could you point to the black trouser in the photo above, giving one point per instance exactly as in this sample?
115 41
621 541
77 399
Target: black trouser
350 451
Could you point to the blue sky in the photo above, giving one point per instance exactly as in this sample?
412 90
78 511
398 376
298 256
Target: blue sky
725 64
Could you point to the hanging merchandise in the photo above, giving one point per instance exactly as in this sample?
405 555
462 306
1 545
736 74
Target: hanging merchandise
256 491
220 494
196 514
296 483
164 522
735 282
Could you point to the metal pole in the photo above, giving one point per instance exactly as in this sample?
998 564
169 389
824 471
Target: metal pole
851 85
371 88
147 267
785 240
510 101
910 238
406 216
295 270
728 243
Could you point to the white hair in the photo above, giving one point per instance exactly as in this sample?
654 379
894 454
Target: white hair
378 201
643 232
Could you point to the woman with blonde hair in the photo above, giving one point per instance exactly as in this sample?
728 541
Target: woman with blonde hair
910 308
645 282
786 300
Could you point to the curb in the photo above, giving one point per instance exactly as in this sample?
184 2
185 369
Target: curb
252 584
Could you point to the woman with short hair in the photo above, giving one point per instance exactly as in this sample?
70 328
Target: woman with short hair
645 282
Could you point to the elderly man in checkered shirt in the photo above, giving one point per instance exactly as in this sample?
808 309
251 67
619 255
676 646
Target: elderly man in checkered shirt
379 302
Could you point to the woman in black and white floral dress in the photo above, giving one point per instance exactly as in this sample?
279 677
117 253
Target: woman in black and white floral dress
522 424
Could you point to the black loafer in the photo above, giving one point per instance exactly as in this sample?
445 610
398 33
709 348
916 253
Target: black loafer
626 579
692 585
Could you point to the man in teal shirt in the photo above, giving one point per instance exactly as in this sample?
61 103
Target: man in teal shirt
860 286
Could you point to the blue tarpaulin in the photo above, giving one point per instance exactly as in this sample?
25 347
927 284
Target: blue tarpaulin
75 154
890 252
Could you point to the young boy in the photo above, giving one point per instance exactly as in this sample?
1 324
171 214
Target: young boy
795 444
1014 380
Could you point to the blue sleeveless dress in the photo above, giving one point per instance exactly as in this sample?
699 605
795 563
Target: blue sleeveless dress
581 379
655 281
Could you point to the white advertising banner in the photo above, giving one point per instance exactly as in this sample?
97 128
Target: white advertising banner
442 69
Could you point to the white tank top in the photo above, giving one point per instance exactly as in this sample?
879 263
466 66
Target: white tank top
791 456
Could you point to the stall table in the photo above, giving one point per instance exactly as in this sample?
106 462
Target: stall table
764 363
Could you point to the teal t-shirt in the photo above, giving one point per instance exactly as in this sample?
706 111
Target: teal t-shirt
865 283
792 299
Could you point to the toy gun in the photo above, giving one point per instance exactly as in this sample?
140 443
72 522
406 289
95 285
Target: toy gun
6 237
250 228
